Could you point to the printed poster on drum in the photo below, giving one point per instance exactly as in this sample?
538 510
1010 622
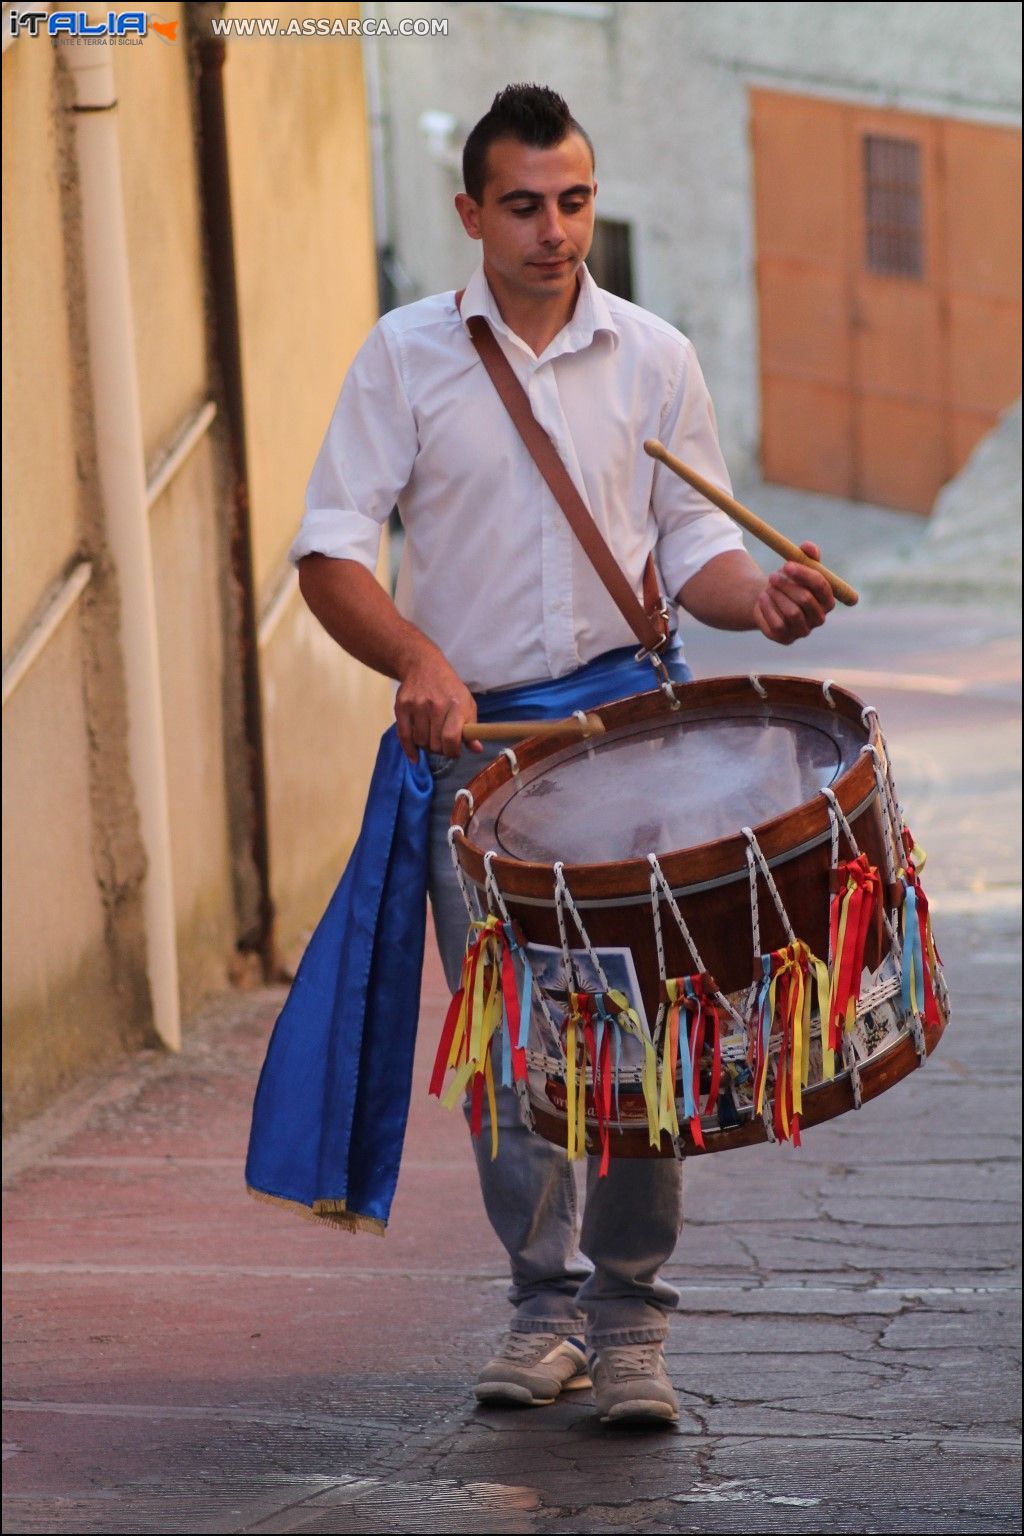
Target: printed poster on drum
548 966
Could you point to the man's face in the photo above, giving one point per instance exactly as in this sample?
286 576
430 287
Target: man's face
536 219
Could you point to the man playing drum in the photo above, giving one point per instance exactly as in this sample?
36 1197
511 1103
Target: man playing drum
495 592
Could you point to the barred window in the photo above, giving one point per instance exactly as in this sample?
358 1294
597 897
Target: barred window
893 206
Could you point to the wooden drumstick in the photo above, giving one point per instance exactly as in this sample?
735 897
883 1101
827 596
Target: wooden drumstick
516 730
750 520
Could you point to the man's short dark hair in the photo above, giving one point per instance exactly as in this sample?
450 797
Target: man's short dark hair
529 114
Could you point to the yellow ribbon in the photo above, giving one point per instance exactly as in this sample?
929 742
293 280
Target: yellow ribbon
822 987
574 1148
480 1017
629 1020
809 979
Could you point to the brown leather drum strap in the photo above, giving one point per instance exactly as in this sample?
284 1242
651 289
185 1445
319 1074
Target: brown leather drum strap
651 633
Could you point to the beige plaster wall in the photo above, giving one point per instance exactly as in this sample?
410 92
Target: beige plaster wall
61 1009
164 234
187 561
164 230
74 949
68 988
75 983
40 528
325 715
300 171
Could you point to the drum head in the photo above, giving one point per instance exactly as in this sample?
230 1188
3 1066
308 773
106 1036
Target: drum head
671 783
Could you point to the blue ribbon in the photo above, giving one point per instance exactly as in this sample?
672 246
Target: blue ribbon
686 1043
764 1012
525 1005
913 959
333 1096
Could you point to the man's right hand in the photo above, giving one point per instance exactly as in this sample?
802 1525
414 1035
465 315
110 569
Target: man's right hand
431 707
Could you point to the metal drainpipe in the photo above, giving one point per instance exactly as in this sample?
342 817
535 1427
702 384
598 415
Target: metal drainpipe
220 257
122 473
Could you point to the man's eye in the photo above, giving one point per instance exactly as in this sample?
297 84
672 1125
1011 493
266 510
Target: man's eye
576 207
523 210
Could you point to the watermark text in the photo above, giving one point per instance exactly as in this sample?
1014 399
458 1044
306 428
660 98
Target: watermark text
326 26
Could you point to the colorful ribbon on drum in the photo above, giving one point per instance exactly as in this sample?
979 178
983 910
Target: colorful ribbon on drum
855 908
692 1020
593 1027
586 1035
486 1005
790 977
628 1021
921 959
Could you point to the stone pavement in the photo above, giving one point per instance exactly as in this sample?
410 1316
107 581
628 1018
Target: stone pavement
182 1359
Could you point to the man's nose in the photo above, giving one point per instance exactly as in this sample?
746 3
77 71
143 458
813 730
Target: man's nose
551 231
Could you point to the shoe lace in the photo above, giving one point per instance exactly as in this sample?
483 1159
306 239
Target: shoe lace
528 1346
625 1360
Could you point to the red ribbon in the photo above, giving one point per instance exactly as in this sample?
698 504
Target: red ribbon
481 951
862 902
704 1012
932 1017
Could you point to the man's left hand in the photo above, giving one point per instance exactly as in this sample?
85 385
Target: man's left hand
795 600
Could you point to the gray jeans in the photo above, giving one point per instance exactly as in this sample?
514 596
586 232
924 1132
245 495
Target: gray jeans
601 1278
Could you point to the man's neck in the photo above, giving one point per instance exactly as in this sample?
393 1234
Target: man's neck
537 321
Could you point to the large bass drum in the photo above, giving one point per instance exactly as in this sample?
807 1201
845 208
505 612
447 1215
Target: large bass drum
702 928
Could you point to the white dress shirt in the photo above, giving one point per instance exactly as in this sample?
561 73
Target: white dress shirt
491 570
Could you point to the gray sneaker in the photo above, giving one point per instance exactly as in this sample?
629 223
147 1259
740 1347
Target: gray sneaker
532 1369
631 1385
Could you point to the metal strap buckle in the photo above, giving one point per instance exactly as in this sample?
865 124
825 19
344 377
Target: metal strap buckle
661 673
661 619
647 653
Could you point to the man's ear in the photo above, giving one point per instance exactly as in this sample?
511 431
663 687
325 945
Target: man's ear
469 213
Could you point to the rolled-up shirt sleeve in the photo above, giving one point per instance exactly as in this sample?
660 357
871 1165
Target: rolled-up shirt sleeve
364 462
690 530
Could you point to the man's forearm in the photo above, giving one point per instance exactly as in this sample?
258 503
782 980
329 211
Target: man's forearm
355 610
732 592
724 592
433 703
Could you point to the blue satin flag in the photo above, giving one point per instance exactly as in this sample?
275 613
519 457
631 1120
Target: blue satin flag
332 1101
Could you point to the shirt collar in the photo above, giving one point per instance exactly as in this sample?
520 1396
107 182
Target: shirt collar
590 318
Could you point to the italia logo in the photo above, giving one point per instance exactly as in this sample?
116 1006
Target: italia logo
68 23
